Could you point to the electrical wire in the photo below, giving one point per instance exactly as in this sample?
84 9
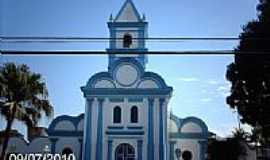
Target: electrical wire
71 39
104 39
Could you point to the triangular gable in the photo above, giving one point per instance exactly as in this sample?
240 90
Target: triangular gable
128 13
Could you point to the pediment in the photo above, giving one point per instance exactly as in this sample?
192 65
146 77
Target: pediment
126 73
128 13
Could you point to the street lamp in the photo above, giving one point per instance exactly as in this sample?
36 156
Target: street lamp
46 149
178 153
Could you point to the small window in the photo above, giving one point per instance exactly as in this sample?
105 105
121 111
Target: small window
127 41
187 155
117 115
134 114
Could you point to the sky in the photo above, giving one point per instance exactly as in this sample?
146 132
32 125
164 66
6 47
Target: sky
199 82
88 18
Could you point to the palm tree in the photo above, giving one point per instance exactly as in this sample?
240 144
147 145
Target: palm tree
241 134
23 96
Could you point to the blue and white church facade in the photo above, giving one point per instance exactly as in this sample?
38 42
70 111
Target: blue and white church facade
126 109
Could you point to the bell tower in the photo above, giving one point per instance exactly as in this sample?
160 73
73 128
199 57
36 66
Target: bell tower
128 31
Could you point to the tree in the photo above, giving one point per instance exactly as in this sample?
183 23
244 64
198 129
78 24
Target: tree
250 74
241 135
23 97
230 148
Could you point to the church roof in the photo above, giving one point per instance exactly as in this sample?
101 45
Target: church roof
128 13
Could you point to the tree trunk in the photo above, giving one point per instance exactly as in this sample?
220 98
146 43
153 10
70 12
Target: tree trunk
7 132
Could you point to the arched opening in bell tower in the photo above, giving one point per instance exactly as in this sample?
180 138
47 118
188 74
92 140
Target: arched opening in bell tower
127 40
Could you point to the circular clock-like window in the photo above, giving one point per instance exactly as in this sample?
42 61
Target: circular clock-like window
126 75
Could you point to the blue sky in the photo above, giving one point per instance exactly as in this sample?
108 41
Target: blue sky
199 82
87 18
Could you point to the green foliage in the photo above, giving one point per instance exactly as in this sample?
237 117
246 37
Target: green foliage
250 73
255 35
223 150
23 96
24 90
241 134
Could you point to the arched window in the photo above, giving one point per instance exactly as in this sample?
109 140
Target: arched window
117 115
124 152
187 155
134 114
127 41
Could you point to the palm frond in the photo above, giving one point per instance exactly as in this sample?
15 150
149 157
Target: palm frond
27 89
42 105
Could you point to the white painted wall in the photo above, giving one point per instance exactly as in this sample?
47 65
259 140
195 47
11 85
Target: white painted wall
126 108
38 145
191 127
80 125
65 125
148 84
188 144
172 127
127 55
104 84
17 145
68 142
127 15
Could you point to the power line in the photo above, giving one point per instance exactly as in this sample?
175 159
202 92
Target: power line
65 39
108 38
105 39
91 52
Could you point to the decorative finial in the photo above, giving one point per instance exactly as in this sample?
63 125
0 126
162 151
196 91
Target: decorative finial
111 18
143 17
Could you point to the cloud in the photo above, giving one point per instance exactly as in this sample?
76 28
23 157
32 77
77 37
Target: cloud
205 91
206 99
223 130
227 129
214 82
224 90
189 79
246 127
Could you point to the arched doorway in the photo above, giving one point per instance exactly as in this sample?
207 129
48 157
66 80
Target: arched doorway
127 40
187 155
124 151
67 151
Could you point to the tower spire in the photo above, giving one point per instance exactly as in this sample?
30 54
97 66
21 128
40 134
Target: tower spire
128 13
128 31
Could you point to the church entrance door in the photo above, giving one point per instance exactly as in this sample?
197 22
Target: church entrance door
125 151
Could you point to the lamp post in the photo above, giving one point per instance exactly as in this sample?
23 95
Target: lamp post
178 153
46 149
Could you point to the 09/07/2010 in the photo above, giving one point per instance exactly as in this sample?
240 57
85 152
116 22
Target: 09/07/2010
39 156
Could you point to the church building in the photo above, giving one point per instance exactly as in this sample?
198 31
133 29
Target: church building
126 109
